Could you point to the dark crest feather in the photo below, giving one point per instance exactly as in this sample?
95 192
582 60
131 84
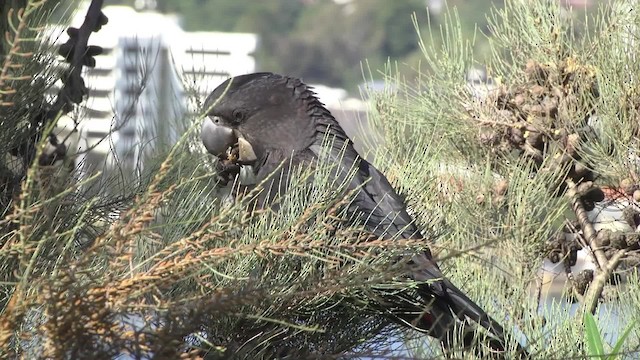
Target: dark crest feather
324 120
240 80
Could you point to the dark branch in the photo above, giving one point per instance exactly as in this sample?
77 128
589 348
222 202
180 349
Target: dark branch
78 54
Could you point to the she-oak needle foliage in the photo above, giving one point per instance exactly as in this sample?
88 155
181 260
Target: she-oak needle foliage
175 270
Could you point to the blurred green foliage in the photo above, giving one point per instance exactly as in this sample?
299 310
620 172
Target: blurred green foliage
322 41
325 41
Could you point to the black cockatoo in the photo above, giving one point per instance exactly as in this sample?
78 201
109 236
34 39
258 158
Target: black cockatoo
275 120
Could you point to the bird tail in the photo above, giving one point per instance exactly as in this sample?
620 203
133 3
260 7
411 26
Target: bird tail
450 314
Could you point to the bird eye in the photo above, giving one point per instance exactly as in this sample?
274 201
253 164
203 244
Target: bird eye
238 115
215 119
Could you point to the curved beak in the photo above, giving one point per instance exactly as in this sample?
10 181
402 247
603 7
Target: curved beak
218 139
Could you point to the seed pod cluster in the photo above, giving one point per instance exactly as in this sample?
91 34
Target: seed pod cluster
631 216
545 116
590 194
563 248
227 166
611 241
582 281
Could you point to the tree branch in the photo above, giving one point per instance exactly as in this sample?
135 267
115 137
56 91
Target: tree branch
78 54
597 286
588 231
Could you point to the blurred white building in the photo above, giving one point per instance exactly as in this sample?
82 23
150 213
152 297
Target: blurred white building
150 74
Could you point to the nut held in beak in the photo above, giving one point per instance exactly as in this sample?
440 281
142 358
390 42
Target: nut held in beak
217 139
246 153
